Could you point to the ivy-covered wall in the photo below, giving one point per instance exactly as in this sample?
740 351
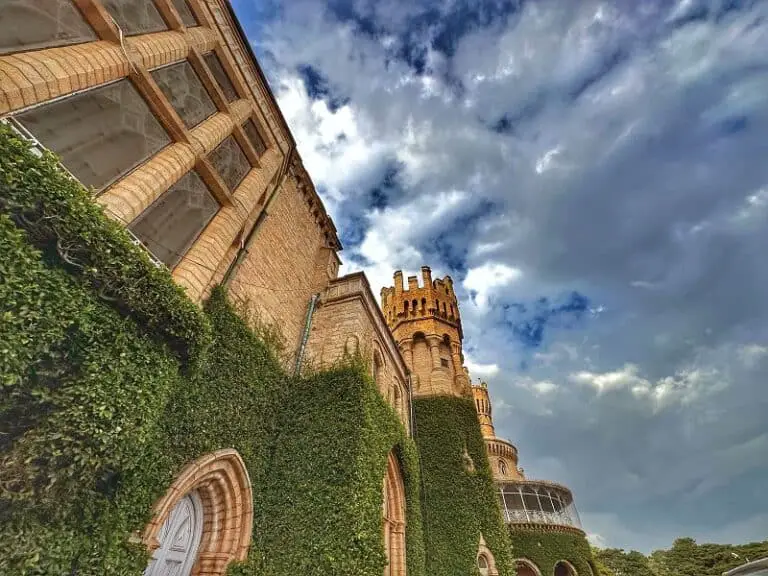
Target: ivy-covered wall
545 549
111 381
458 505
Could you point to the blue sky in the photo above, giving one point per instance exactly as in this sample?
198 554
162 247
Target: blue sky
593 176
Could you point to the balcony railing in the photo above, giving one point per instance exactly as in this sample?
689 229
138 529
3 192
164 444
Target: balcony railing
535 502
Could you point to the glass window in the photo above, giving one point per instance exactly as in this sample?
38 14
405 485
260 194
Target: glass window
100 134
255 137
217 69
136 16
231 163
34 24
186 14
175 220
185 91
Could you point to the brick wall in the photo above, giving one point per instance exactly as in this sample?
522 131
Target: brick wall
277 277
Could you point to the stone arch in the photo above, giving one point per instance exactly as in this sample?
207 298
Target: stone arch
564 568
221 483
526 567
486 563
393 511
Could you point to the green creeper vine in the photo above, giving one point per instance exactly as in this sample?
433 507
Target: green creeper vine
459 503
545 549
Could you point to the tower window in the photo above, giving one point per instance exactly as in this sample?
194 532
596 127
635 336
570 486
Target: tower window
502 467
444 362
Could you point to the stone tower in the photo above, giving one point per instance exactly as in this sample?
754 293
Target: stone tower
426 325
502 455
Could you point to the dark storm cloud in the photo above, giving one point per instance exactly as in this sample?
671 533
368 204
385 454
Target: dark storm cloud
611 151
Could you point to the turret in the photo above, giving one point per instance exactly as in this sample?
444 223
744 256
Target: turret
483 405
502 455
424 319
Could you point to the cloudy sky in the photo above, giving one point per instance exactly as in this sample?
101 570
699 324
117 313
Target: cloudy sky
594 177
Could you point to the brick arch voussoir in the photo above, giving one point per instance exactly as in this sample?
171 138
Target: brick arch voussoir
222 482
528 562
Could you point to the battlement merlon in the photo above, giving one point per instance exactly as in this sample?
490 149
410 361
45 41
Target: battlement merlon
428 299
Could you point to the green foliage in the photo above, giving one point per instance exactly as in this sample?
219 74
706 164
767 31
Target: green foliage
684 558
620 563
63 221
319 511
546 549
458 505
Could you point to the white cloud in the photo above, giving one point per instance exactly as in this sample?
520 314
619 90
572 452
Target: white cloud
477 370
752 354
482 281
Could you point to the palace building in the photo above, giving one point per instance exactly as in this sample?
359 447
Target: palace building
160 110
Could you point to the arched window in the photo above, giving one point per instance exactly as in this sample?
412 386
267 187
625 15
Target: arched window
452 314
393 512
564 568
423 304
482 564
378 367
502 467
525 567
405 307
415 306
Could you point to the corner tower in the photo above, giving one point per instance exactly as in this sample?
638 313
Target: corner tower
426 325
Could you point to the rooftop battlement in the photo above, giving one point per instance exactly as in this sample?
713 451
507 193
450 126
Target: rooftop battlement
428 299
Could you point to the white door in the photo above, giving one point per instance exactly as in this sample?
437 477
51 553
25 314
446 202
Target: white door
179 538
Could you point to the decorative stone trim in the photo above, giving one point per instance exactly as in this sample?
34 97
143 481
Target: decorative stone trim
394 517
528 562
532 526
483 550
222 482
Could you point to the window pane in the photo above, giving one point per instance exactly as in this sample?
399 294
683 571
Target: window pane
34 24
136 16
99 134
186 14
255 137
186 92
231 163
221 76
169 227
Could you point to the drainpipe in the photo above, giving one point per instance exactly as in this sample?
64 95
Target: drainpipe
246 244
411 421
305 336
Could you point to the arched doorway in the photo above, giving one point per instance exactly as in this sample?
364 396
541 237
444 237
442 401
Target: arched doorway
565 568
393 511
178 539
204 521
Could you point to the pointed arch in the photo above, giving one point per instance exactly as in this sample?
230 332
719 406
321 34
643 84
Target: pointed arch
393 511
526 567
221 483
564 568
486 563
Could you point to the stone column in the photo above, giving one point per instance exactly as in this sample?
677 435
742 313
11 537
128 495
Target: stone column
461 380
406 349
434 350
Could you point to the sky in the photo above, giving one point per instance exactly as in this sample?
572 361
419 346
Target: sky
594 178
